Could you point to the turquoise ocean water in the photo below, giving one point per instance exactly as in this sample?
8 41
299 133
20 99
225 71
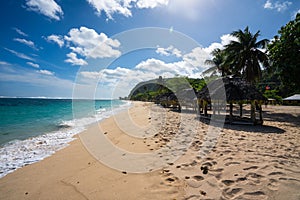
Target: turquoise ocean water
32 129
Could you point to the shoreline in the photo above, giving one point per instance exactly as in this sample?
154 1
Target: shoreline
73 173
244 162
20 152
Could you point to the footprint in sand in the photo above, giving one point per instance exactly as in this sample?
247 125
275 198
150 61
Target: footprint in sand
232 163
227 182
217 170
195 182
252 167
273 184
229 158
228 192
289 179
254 175
276 173
198 178
170 179
241 179
256 193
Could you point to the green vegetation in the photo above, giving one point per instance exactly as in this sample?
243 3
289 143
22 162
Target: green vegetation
242 58
274 68
284 54
273 94
151 90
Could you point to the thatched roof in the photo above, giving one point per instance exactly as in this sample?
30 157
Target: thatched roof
231 89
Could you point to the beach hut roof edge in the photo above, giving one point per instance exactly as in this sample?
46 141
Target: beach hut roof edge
231 89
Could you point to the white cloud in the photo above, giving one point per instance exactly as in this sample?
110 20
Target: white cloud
33 64
107 76
45 72
20 55
112 83
151 3
3 63
72 58
279 6
20 32
58 39
48 8
168 51
88 43
197 57
37 84
26 42
123 7
189 9
161 68
225 40
111 6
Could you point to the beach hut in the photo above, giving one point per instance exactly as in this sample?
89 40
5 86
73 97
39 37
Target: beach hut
187 99
292 100
230 91
168 99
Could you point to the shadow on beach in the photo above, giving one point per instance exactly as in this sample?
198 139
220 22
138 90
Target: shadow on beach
282 117
276 114
247 128
255 129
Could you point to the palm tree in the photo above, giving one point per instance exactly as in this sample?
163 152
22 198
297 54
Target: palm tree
246 55
218 63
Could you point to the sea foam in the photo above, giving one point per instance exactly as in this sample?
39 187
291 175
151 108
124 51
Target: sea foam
19 153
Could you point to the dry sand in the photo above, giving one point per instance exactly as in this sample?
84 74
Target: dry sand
183 159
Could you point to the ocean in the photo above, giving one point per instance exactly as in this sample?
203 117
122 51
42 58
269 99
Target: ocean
33 129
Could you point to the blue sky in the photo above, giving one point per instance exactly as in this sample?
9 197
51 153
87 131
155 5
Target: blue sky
102 48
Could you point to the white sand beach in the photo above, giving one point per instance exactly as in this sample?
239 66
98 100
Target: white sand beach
188 159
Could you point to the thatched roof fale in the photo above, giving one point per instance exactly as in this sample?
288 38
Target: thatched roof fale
230 89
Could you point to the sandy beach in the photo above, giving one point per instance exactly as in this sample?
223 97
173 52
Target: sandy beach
150 152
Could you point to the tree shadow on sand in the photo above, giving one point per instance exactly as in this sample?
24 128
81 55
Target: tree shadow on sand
255 129
246 128
270 116
282 117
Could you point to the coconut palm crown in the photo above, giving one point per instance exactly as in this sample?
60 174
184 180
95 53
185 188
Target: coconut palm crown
245 56
218 63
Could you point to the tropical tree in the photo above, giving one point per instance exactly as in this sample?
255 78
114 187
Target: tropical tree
218 63
284 53
246 55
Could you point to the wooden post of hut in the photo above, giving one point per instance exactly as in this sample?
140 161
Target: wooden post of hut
241 108
253 117
230 111
205 108
260 114
236 91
